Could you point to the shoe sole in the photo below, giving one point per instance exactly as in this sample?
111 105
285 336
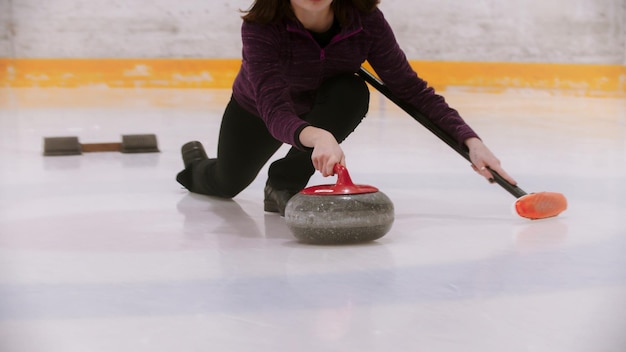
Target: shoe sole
192 152
271 207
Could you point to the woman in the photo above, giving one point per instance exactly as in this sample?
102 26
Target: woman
297 85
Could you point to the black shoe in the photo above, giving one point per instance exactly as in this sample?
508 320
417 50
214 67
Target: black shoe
193 152
276 200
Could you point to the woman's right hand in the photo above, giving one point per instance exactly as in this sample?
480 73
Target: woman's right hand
326 151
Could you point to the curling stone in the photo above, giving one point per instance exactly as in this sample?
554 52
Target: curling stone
342 213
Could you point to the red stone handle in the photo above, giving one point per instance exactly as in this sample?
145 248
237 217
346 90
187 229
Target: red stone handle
343 176
344 185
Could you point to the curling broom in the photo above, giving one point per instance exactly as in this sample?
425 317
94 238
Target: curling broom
528 205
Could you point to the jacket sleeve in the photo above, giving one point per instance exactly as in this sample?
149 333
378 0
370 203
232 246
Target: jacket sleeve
260 54
392 66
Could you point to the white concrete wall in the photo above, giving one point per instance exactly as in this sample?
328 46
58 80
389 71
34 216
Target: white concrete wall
563 31
6 48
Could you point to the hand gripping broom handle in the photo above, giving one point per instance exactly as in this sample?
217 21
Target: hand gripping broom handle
432 127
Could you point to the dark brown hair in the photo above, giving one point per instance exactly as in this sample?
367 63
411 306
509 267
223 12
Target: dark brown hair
268 11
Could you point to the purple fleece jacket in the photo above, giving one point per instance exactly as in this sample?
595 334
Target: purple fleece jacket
283 66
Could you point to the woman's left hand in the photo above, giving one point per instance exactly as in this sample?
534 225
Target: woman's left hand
483 160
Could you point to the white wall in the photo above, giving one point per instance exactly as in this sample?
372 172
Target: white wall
564 31
579 31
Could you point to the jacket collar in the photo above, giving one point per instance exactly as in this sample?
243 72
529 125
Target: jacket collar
294 25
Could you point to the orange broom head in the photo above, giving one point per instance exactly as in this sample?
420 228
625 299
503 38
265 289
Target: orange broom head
540 205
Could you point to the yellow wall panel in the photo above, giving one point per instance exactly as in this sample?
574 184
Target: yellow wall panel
220 73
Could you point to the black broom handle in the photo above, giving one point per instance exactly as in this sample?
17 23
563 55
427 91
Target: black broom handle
432 127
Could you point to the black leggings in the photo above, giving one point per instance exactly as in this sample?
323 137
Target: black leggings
245 145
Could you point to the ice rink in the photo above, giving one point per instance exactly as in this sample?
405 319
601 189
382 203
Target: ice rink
106 252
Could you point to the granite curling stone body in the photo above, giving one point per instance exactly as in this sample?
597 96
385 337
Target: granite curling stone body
339 214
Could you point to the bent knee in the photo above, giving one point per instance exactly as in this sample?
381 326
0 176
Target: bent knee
347 90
